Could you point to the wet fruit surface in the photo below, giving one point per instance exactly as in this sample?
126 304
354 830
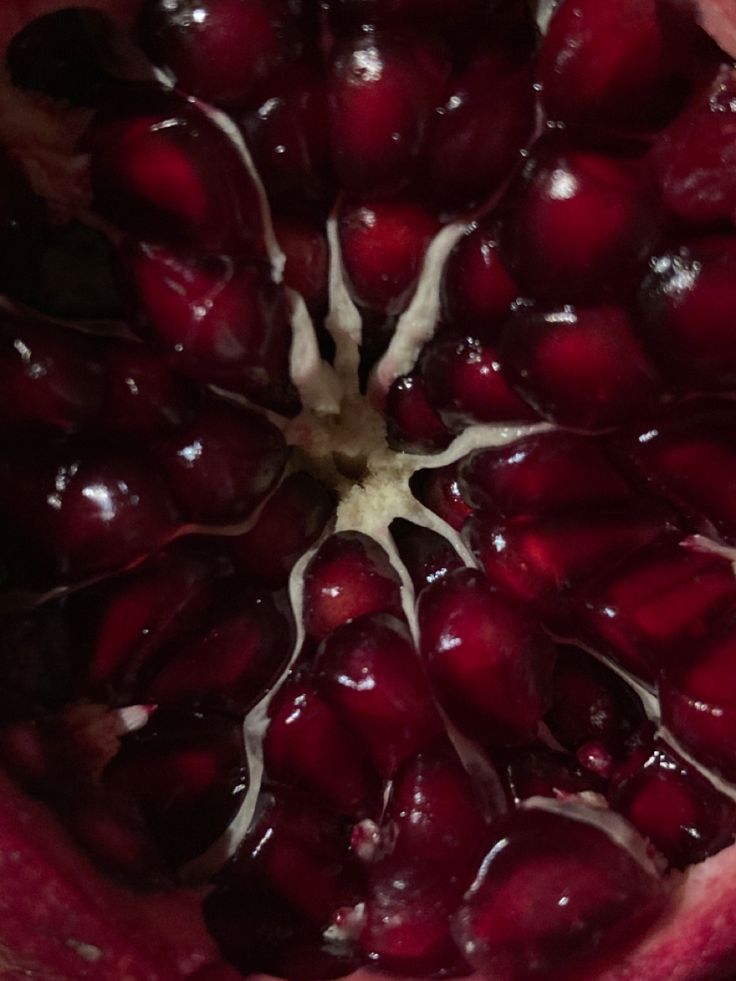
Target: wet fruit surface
367 518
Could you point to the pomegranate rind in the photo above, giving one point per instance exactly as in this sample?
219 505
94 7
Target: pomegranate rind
61 920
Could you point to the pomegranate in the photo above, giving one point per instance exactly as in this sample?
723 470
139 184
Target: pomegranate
367 522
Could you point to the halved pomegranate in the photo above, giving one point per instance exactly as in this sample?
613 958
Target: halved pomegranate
368 467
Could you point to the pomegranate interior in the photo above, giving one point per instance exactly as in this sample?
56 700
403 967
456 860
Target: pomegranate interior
368 423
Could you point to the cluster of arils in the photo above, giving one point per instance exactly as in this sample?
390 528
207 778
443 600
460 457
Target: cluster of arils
366 491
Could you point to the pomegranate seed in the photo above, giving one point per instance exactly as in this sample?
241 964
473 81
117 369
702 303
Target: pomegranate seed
651 610
439 833
698 699
219 319
554 893
304 243
382 246
45 377
488 661
233 663
162 170
541 473
607 69
222 464
477 289
382 90
84 510
427 555
537 771
186 774
300 850
412 425
543 560
370 673
309 747
686 299
123 625
141 395
465 383
693 157
259 931
348 577
439 490
580 224
112 830
219 49
485 118
287 131
591 705
683 815
689 459
580 367
291 520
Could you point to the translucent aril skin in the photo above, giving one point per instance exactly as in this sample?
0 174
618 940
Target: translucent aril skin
320 679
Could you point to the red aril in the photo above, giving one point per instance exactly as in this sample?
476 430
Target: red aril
287 130
311 748
222 464
438 825
162 170
382 90
591 704
688 457
654 607
233 662
348 577
465 382
541 473
412 424
186 773
219 320
120 628
382 245
45 378
582 367
477 289
489 663
686 301
82 509
307 259
683 815
606 69
551 897
290 521
428 556
482 123
579 224
699 700
542 560
439 490
538 771
693 156
370 673
219 49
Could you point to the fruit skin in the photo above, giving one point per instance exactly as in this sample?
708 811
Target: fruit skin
53 897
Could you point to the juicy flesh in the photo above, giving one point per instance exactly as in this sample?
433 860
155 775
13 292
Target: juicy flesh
367 484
